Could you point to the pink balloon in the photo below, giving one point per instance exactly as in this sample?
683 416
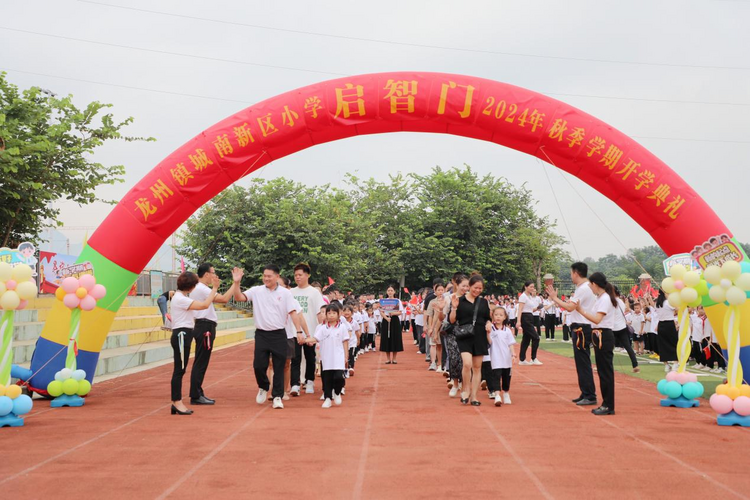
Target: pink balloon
11 285
87 281
679 285
692 377
70 285
721 404
742 405
682 378
71 301
22 305
88 303
671 376
98 292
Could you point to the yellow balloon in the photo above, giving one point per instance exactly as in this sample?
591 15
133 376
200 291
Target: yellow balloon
736 296
692 278
712 274
721 389
81 292
2 390
731 270
689 295
12 391
733 392
10 300
717 294
26 290
2 288
675 299
745 390
21 273
743 281
60 293
677 271
667 285
6 271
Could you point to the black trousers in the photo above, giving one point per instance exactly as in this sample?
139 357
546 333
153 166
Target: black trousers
538 323
604 365
180 359
549 327
352 352
697 352
566 332
371 340
333 381
716 356
273 344
622 339
582 356
205 335
530 336
309 351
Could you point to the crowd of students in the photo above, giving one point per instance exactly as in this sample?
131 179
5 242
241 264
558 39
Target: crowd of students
466 336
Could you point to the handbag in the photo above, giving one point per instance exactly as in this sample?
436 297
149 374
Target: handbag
447 327
467 331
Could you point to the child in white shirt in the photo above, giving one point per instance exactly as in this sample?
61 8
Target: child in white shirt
333 337
502 356
355 333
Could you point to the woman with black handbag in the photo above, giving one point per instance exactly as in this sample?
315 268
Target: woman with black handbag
455 380
471 315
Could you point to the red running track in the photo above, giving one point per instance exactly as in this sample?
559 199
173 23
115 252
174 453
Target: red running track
397 435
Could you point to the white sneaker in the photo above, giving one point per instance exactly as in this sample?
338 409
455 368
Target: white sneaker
506 399
491 395
537 362
337 398
432 367
277 404
706 369
525 363
322 397
309 387
327 403
498 400
698 366
295 391
666 368
286 397
261 397
343 391
453 391
351 371
450 384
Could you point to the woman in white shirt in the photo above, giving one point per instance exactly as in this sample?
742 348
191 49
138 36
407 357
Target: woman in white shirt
528 304
667 331
603 320
182 332
622 335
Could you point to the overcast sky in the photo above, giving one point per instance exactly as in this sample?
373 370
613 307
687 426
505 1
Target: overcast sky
675 75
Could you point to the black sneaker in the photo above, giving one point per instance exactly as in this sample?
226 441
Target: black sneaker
603 410
586 402
577 399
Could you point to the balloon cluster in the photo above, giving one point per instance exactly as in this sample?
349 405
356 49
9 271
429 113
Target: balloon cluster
728 398
17 286
684 287
13 402
680 384
70 383
729 283
80 292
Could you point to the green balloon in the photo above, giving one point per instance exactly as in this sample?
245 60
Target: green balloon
673 389
702 288
55 388
692 390
84 387
70 386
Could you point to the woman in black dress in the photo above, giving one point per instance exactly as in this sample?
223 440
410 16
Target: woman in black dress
391 341
473 349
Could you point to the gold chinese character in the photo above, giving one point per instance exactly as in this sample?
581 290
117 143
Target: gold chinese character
558 127
645 178
243 135
536 120
348 96
444 97
401 95
222 145
266 127
673 206
659 194
161 191
145 207
595 145
312 105
288 116
628 169
576 136
181 174
611 157
200 160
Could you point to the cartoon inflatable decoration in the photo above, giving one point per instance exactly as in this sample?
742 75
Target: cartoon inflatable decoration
606 159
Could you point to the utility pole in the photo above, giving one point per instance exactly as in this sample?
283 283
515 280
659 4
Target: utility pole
174 255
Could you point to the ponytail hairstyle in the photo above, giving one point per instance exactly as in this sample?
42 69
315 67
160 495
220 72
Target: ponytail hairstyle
661 298
526 285
601 281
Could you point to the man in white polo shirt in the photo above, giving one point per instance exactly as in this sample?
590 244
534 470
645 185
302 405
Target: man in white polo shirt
580 330
272 306
311 301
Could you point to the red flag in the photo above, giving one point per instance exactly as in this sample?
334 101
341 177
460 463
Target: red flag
330 281
182 264
406 290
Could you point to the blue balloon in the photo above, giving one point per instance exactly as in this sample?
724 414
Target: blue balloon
662 387
22 405
6 405
673 389
745 266
692 390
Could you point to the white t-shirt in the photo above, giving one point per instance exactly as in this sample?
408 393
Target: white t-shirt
500 342
310 300
352 327
665 312
271 308
199 294
331 341
377 316
419 317
370 324
636 321
511 310
696 328
584 296
529 304
620 320
291 331
604 305
182 316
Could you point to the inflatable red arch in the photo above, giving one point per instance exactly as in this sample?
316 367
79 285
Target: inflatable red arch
606 159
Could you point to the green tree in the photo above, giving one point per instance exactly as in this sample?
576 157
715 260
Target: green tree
46 146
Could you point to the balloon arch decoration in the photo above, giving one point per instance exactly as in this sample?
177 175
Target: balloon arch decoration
609 161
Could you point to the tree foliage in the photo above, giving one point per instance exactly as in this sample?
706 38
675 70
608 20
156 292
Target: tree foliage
366 234
624 267
46 147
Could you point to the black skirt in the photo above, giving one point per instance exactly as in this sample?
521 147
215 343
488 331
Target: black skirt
667 341
391 339
476 345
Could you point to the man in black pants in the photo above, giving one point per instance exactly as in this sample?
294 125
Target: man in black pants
580 330
272 306
311 301
204 332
